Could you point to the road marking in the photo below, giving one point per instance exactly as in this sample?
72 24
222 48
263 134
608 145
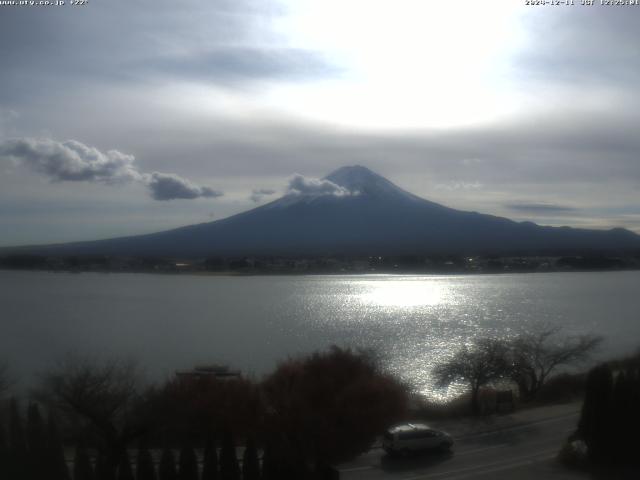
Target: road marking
520 427
504 467
476 450
357 469
457 453
499 465
540 442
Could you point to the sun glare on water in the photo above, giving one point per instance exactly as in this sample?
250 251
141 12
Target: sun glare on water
403 293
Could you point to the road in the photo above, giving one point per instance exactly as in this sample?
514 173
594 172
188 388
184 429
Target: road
520 452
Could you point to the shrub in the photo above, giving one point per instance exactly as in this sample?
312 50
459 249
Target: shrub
82 469
144 465
167 469
229 468
250 462
329 407
210 462
565 387
188 464
124 467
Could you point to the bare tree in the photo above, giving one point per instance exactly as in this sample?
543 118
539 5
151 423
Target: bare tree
534 356
482 363
101 396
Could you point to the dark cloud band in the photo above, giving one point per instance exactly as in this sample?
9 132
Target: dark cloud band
259 193
540 208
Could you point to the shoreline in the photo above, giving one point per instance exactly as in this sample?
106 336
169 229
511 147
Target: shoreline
396 273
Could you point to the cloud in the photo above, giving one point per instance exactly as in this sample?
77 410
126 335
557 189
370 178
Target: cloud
7 117
455 186
226 43
73 161
260 193
301 185
168 186
539 208
592 53
228 65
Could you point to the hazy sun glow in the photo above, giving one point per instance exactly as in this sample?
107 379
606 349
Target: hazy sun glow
404 64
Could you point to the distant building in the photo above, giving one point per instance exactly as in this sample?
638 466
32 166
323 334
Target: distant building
204 372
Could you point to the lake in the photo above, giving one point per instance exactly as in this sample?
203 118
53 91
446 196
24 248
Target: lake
170 322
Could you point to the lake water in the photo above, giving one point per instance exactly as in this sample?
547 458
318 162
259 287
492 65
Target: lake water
170 322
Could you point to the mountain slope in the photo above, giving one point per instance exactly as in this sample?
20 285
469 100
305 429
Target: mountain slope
376 218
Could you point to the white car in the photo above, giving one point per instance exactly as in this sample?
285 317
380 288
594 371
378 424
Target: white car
414 437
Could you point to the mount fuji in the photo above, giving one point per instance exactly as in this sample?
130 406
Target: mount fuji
354 211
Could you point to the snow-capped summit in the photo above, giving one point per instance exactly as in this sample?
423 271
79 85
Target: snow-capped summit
346 183
357 212
361 180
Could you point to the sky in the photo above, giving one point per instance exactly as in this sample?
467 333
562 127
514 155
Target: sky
120 117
